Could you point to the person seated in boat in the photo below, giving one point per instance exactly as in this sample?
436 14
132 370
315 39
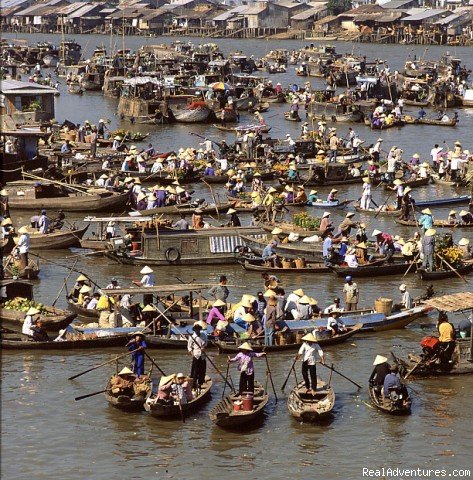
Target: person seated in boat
270 197
301 196
182 389
464 246
254 328
325 224
164 394
406 299
292 174
303 309
66 147
239 186
84 295
246 367
392 382
310 352
421 113
292 302
384 243
81 280
332 196
351 259
209 170
29 321
466 218
234 219
347 224
313 197
197 220
361 253
239 312
355 171
39 333
92 303
335 324
256 200
447 339
424 170
288 195
452 217
269 255
380 371
216 313
44 222
270 281
464 327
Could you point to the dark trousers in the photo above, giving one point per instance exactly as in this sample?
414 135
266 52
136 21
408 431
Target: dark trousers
309 372
446 353
247 383
198 370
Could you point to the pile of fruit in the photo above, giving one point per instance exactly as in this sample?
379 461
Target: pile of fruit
304 220
453 255
23 305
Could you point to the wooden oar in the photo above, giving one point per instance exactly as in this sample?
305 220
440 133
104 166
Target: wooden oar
226 378
90 395
451 268
98 366
341 374
288 375
66 185
412 263
271 379
65 282
154 363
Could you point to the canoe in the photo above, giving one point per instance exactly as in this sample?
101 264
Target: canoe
325 204
10 342
431 121
413 183
387 405
186 209
384 126
444 201
128 402
196 115
222 179
262 128
224 415
459 183
442 274
311 408
258 266
377 211
52 322
437 224
314 182
104 201
280 98
57 240
232 346
162 410
374 269
91 315
287 228
31 272
287 116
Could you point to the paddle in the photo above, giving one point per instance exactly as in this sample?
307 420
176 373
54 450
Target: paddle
226 378
90 395
451 268
341 374
288 375
412 263
65 282
98 366
155 364
271 379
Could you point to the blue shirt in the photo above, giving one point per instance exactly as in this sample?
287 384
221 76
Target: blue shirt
267 252
391 380
426 221
327 247
343 249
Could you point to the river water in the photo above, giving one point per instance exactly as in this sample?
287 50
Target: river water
46 434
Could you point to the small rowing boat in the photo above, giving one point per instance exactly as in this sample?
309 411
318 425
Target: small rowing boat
308 407
260 128
384 211
325 204
442 274
440 202
430 121
259 266
437 224
373 269
130 398
58 239
161 409
187 209
91 315
224 414
394 403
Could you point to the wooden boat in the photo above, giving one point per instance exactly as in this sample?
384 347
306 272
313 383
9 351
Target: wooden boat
430 121
195 115
259 266
224 414
413 183
128 402
373 269
384 126
54 320
232 346
440 202
377 211
98 200
387 405
442 274
56 240
290 118
91 315
279 98
437 224
315 182
287 228
222 179
261 128
75 88
311 408
17 342
30 272
325 204
187 209
163 410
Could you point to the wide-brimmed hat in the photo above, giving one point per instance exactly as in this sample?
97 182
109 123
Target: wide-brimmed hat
269 293
299 292
416 155
452 212
407 190
304 300
32 311
326 214
398 182
3 192
276 231
201 324
362 245
309 337
149 308
7 221
313 301
402 287
146 270
230 211
272 190
376 232
427 211
248 318
379 360
334 190
23 230
85 289
430 232
81 278
350 214
463 242
313 192
125 371
166 379
219 303
245 346
463 212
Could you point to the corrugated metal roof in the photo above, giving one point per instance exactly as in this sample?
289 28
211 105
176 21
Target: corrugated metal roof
83 10
15 86
393 4
230 13
426 14
457 18
309 13
254 9
14 3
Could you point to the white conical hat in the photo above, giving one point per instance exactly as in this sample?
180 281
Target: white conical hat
146 270
32 311
125 371
379 360
309 337
166 379
219 303
245 346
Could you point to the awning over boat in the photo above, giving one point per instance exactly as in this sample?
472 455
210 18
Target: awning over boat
118 219
158 289
455 302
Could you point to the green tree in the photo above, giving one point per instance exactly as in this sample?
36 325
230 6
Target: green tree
335 7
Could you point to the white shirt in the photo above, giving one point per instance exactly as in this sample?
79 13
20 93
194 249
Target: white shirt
351 261
24 243
92 304
333 322
366 189
333 308
148 280
125 302
292 298
434 153
27 324
406 299
239 312
310 353
195 345
43 224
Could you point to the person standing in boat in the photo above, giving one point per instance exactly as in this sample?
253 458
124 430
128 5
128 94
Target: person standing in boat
29 321
380 371
428 250
137 348
23 246
406 300
246 367
310 351
148 280
196 345
447 339
347 224
43 222
407 204
220 291
426 221
365 200
234 219
352 294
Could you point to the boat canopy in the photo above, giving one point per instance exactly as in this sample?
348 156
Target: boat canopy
456 302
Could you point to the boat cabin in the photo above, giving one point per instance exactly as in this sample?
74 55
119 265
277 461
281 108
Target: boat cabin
15 288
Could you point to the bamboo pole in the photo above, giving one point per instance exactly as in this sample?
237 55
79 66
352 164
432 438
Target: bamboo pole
67 185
